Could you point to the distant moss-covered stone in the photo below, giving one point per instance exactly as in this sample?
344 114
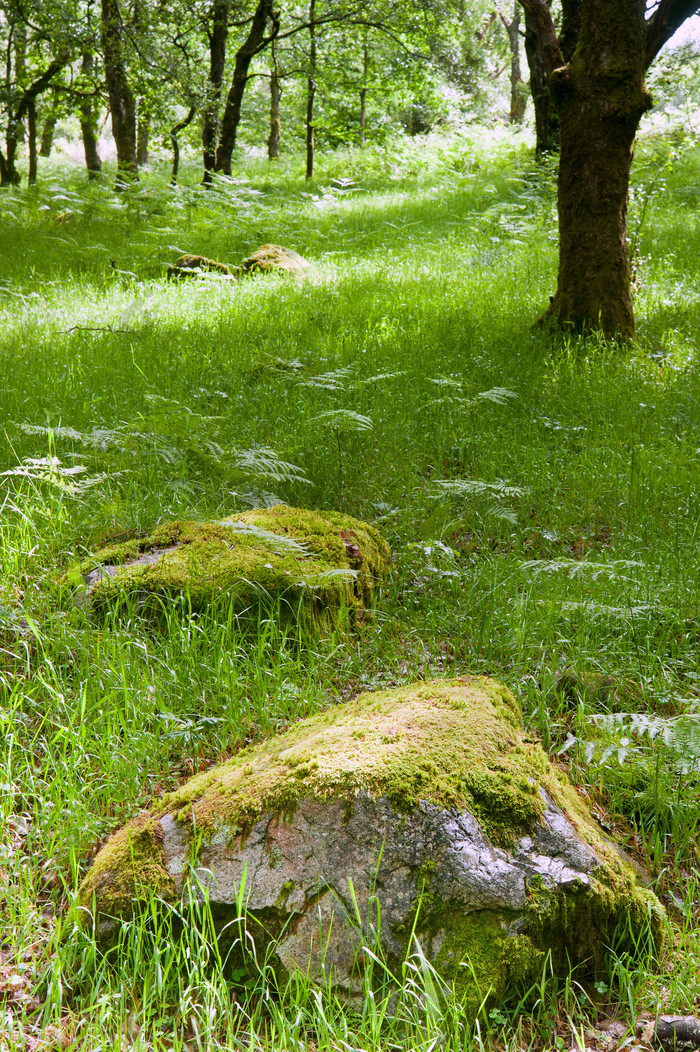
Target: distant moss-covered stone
192 266
314 565
426 805
270 259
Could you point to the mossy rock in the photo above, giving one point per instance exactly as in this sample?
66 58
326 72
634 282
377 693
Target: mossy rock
194 266
428 801
314 568
275 259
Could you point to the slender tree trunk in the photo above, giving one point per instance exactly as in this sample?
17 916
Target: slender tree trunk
517 99
212 104
143 134
121 99
47 131
176 128
311 92
254 43
600 97
88 123
31 141
546 123
363 90
11 176
273 142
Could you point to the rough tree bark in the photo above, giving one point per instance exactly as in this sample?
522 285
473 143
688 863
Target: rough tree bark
253 45
600 96
47 131
311 93
217 60
517 99
121 99
596 78
273 142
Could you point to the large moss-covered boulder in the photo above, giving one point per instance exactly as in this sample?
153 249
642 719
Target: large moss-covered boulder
317 566
429 803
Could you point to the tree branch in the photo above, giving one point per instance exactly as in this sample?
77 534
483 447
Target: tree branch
541 19
40 84
667 18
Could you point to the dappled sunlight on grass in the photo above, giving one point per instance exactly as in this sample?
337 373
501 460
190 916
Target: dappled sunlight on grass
540 496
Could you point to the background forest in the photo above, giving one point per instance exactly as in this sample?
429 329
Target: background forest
539 488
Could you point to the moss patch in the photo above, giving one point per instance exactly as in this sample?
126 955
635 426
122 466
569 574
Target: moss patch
313 564
130 866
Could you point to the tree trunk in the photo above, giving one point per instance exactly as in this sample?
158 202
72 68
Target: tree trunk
254 43
363 90
311 92
600 97
217 61
546 123
47 131
121 99
9 176
88 124
273 142
173 139
143 134
517 99
31 141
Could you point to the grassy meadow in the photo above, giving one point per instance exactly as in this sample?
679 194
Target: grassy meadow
541 496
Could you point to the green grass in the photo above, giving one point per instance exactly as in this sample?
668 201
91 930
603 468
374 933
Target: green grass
540 496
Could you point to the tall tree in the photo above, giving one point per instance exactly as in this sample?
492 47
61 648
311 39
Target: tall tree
255 42
600 96
217 34
121 98
517 98
311 92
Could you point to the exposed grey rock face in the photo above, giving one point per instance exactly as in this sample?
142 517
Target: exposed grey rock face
319 867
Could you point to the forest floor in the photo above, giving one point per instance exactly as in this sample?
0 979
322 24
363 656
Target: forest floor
541 496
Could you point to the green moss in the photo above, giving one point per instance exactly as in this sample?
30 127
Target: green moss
313 565
482 960
454 743
129 866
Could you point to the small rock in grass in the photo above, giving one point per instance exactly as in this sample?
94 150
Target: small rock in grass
271 259
419 819
315 565
194 266
677 1033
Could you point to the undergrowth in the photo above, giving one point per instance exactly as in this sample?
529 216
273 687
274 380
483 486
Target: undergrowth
541 500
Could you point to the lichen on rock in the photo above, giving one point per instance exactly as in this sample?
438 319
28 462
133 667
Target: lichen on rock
429 800
314 567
